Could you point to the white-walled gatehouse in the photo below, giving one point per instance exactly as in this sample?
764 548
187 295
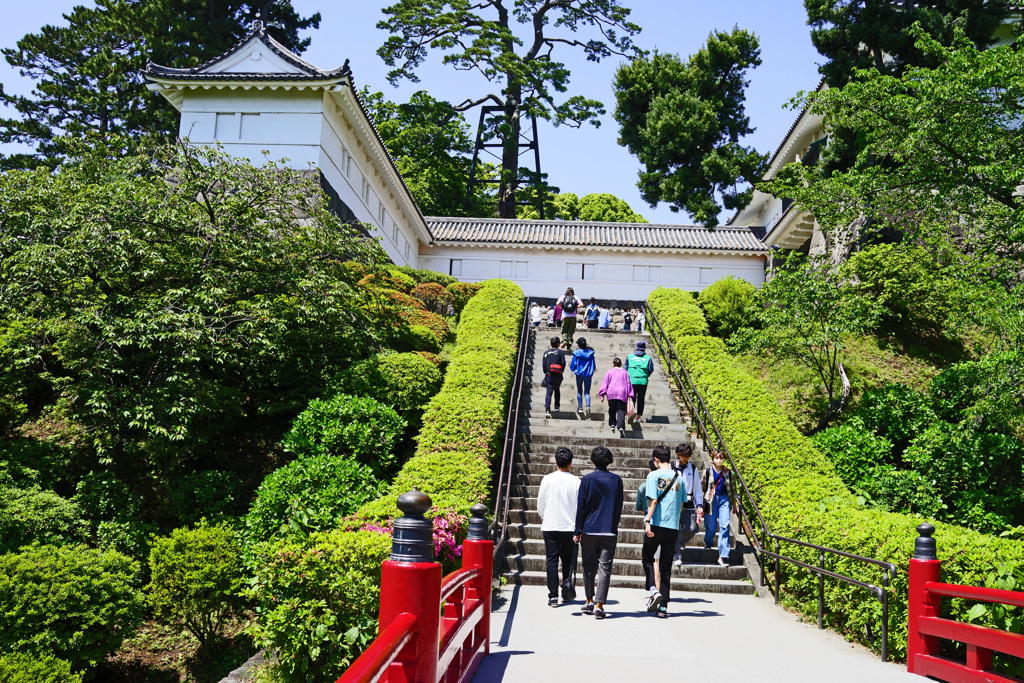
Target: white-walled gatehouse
263 102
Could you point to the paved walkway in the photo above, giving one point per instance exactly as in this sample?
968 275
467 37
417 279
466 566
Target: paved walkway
707 637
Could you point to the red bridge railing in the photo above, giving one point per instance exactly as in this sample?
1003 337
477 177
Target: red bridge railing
927 627
416 642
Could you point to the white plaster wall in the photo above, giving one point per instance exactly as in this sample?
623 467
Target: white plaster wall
620 275
307 128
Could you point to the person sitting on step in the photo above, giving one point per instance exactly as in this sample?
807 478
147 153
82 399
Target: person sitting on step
593 313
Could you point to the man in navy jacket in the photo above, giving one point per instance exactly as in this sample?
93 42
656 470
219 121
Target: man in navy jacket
598 509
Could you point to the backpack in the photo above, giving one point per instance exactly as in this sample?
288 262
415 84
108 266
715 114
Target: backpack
568 304
628 319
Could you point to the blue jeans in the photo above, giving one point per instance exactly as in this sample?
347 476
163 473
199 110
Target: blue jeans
583 389
718 518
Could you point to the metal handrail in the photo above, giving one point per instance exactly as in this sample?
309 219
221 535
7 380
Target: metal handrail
511 432
702 416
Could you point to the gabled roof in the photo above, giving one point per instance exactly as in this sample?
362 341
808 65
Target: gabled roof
227 67
575 234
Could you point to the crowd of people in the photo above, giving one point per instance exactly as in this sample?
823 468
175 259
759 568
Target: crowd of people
584 514
569 311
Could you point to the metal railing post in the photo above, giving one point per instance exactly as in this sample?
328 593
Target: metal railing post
477 549
410 583
924 567
885 615
778 551
821 591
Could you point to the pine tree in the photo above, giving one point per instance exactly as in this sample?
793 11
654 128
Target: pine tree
88 74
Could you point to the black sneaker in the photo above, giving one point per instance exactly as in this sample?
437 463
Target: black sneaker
662 612
598 613
588 608
552 602
653 602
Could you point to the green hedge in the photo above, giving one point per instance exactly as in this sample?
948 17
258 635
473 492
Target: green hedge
462 424
802 497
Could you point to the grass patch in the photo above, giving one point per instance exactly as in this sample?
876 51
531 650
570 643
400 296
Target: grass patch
869 363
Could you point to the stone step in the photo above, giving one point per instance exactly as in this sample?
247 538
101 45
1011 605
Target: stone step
639 474
694 554
530 578
628 483
526 532
629 567
604 436
582 453
582 460
530 504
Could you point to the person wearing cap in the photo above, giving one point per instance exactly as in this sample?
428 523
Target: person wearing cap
583 365
640 367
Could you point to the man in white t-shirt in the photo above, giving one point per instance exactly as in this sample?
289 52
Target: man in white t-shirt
556 504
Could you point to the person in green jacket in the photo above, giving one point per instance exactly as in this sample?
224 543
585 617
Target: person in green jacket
639 366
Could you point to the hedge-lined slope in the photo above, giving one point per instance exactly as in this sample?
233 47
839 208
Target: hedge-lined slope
801 496
462 424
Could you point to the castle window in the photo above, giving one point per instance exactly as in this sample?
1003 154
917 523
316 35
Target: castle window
455 267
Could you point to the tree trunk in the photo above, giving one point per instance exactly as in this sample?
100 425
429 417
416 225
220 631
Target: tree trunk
510 159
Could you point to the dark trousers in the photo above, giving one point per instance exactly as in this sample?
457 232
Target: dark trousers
688 528
559 546
553 381
665 539
598 554
616 413
641 392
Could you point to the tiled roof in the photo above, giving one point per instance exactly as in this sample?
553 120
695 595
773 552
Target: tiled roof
586 234
310 72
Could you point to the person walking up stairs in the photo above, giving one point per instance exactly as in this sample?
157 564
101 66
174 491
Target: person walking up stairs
540 437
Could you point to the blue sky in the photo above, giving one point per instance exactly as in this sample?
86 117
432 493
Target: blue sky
577 160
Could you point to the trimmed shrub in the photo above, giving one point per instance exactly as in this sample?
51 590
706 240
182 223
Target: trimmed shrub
415 339
405 381
725 303
34 515
896 412
677 320
461 293
462 424
22 668
801 496
310 494
358 427
420 317
74 602
196 579
854 451
316 600
435 297
389 279
106 501
424 276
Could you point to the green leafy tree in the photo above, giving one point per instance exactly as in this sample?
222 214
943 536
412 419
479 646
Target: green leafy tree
88 75
429 140
608 208
28 515
684 119
191 313
196 579
22 668
874 34
482 37
805 313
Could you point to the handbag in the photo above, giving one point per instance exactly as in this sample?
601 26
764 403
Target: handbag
630 408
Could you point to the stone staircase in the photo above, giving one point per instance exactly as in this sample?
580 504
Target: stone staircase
535 456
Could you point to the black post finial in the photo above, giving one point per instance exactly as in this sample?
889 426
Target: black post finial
413 537
924 545
477 523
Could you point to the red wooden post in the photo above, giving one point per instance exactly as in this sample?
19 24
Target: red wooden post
411 583
924 567
478 550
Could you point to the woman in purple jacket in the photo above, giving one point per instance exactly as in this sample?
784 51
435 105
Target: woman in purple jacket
617 388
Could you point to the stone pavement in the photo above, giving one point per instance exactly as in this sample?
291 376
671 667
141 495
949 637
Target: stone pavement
707 637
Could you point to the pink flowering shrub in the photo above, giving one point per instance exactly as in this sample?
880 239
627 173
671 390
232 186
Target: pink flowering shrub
449 532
